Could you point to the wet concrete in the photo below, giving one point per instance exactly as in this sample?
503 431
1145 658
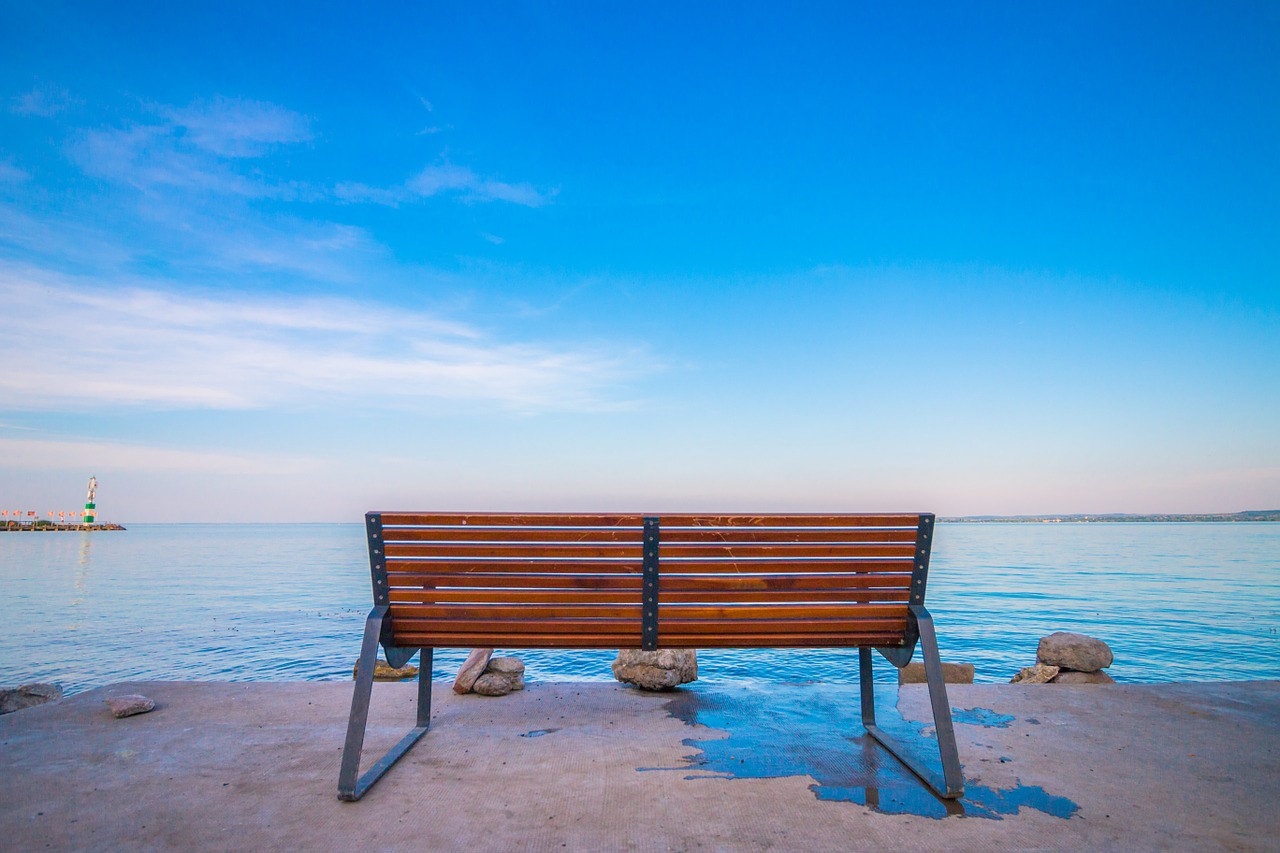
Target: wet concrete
770 735
603 767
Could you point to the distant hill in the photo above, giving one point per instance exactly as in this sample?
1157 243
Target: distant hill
1248 515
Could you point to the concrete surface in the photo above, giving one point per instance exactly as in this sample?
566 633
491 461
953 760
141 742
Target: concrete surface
596 767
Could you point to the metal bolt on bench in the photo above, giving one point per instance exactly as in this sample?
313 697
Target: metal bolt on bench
601 581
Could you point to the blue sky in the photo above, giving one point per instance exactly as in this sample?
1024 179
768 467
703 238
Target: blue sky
1004 259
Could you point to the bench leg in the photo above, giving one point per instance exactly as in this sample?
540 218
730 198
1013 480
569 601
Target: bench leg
952 782
349 787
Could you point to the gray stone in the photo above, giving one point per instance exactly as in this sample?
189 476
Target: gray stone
952 673
28 696
656 670
130 704
500 677
1038 674
1071 677
1074 651
472 668
506 666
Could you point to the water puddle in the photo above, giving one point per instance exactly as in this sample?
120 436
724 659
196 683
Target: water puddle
816 730
539 732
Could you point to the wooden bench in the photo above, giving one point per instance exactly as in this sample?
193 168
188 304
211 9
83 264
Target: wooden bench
588 581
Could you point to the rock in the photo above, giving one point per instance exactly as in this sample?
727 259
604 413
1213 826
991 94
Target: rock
28 696
382 671
952 673
500 677
1070 677
656 670
1038 674
1074 651
127 706
471 669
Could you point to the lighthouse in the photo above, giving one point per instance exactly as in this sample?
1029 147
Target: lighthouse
89 505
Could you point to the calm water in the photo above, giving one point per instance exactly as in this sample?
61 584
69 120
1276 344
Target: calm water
1176 602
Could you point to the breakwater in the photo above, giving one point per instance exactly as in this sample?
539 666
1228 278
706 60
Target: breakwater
54 527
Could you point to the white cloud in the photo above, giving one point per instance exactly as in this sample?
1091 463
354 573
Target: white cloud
70 345
45 100
100 456
232 127
459 180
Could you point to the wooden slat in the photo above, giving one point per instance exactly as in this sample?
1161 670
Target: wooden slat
754 596
784 551
677 568
522 519
516 627
728 627
733 582
545 640
518 596
473 533
777 641
509 550
779 520
515 567
484 613
532 581
736 535
670 612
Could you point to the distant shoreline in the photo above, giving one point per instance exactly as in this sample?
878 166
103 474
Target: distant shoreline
1114 517
48 527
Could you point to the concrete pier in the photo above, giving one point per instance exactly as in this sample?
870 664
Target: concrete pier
220 766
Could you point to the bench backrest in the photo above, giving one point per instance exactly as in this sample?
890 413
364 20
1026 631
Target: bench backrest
546 580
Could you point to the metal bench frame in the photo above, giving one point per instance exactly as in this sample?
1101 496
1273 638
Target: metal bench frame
352 785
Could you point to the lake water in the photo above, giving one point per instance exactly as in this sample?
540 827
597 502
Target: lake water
1176 602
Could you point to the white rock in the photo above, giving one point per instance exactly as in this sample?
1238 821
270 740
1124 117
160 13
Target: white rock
656 670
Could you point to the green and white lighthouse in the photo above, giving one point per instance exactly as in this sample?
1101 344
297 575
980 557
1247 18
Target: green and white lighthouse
90 507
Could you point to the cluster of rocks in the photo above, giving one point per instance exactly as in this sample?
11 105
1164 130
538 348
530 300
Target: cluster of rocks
1067 658
656 670
482 673
28 696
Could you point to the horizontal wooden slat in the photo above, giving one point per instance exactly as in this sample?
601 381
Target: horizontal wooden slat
677 568
545 640
777 641
517 626
847 550
520 534
515 567
520 596
510 550
482 613
798 627
523 519
533 581
668 612
754 596
737 535
798 520
731 582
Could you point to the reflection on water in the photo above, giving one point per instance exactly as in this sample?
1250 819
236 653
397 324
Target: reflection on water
281 602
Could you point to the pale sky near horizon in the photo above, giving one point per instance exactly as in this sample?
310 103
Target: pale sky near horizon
993 259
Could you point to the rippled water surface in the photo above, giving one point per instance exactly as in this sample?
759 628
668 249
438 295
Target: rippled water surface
1176 602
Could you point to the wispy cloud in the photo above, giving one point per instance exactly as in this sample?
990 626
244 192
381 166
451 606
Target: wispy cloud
70 345
195 149
45 100
11 174
446 180
100 456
